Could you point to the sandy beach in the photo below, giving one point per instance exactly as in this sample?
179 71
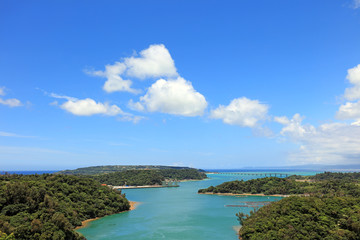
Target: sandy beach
133 206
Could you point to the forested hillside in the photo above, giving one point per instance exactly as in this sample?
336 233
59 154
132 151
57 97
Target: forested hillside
328 184
50 206
329 209
305 218
117 168
148 177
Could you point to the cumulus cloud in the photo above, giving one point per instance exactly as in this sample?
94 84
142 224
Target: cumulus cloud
243 112
334 143
330 143
176 96
349 110
88 107
11 102
114 81
293 127
353 76
153 62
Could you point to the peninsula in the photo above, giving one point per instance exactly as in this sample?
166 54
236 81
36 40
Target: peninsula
320 206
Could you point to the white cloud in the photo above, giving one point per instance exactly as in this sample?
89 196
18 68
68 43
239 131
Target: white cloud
330 143
348 111
282 120
353 76
293 127
2 91
137 106
177 97
351 110
7 134
131 118
114 81
241 111
153 62
88 107
334 143
11 102
54 95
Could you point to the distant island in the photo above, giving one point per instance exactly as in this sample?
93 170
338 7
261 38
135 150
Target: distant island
324 206
137 175
118 168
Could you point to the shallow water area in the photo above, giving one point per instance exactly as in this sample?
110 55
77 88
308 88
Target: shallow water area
176 213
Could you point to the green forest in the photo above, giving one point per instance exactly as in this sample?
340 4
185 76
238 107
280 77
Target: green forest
117 168
148 177
50 206
324 206
304 218
292 185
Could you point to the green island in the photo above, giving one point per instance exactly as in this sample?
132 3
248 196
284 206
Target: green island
117 168
50 206
137 175
323 206
148 177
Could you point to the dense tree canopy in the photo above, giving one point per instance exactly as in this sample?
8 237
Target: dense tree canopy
118 168
330 210
305 218
51 206
328 184
147 177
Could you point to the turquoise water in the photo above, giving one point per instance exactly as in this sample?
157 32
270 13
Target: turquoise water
176 213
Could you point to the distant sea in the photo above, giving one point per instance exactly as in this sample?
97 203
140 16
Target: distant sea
256 170
29 172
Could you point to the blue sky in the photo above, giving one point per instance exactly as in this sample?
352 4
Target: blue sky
207 84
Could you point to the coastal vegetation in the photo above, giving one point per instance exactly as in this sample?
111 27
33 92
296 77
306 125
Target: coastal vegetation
323 206
304 218
50 206
329 184
148 177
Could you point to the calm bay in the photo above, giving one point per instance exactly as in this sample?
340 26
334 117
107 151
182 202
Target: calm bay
177 213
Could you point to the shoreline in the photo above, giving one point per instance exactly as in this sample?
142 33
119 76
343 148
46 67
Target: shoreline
246 194
86 222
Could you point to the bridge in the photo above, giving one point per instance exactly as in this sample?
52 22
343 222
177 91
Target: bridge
255 174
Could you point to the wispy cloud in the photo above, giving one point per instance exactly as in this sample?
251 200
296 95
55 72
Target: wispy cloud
11 102
356 4
8 134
